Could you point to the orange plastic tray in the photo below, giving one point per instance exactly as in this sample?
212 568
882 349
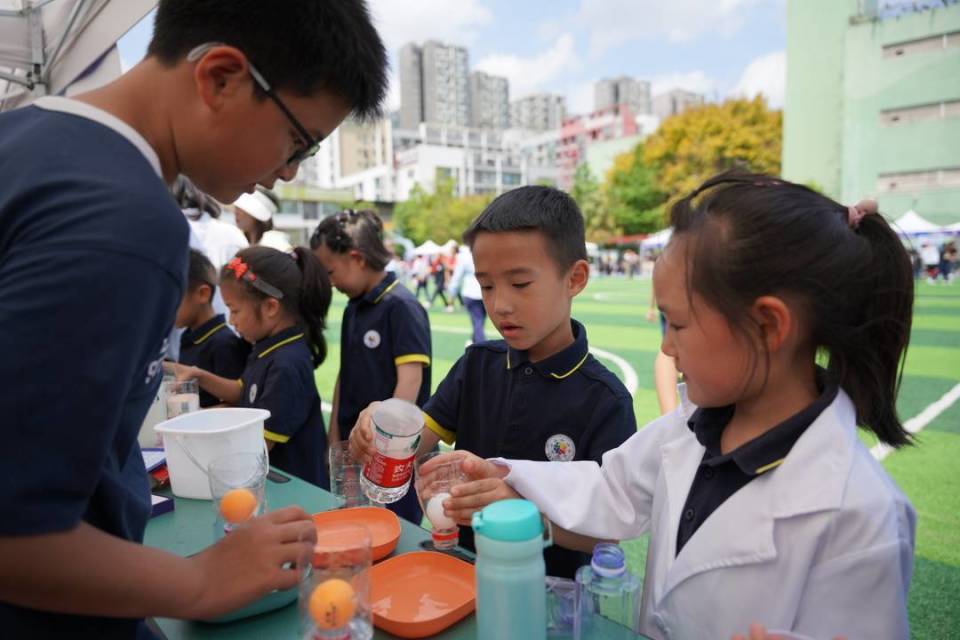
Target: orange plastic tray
383 524
419 594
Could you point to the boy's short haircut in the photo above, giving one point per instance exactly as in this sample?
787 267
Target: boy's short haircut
536 208
201 271
298 45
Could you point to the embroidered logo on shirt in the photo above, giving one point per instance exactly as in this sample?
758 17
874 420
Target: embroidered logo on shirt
156 367
253 393
560 448
371 339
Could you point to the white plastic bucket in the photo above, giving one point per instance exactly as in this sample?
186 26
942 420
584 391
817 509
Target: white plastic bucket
192 440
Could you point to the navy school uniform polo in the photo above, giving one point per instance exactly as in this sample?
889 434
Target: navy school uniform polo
495 402
279 378
214 347
381 330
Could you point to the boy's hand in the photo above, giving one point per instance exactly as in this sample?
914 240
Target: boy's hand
250 562
485 485
361 436
181 371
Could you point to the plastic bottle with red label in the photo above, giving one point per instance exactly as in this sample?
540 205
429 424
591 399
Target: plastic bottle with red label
396 433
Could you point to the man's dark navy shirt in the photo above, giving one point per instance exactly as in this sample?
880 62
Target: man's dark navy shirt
495 402
214 347
279 378
93 259
720 475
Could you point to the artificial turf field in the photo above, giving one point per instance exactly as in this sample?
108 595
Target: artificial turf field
614 313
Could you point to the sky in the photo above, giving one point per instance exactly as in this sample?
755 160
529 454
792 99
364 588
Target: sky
716 47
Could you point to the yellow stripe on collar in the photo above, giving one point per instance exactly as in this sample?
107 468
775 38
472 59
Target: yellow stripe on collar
767 467
569 373
280 344
210 333
386 291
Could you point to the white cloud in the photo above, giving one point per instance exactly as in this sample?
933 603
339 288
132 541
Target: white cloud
528 74
400 22
611 23
767 75
696 81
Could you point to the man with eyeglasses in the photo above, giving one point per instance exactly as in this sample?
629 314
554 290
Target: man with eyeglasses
93 254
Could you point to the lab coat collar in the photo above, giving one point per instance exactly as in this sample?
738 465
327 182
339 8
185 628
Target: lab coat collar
740 531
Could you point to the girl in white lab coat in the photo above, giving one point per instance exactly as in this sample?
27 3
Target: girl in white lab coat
761 502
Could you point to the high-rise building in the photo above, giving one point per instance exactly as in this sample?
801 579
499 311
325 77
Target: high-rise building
633 93
446 84
538 112
434 85
870 109
674 102
489 101
411 86
579 132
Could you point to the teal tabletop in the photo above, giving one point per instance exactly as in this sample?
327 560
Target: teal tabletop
189 528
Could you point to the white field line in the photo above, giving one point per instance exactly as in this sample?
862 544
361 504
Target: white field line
922 419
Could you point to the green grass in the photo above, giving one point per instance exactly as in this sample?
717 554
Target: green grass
614 312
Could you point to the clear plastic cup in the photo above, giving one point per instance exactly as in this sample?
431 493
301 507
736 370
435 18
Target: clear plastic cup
396 434
432 490
237 488
335 588
345 474
182 397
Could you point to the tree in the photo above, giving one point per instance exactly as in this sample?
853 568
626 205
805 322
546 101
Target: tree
737 134
632 193
437 216
598 219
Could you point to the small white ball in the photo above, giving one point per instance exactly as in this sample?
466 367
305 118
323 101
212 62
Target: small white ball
435 514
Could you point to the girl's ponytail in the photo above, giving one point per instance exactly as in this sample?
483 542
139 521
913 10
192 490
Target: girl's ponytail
868 361
315 297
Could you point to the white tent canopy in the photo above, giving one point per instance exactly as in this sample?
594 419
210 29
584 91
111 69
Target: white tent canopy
49 46
657 240
428 248
913 224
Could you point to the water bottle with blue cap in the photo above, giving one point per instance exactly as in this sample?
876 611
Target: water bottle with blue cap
607 600
511 575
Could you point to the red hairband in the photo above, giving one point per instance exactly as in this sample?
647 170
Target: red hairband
242 271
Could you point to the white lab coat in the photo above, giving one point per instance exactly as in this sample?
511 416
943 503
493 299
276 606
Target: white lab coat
820 546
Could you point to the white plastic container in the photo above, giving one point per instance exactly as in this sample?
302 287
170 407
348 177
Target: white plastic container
192 440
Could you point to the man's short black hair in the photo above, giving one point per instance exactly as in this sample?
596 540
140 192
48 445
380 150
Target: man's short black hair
537 208
298 45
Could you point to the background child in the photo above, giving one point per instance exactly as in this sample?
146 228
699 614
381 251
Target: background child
254 215
538 394
762 503
385 336
93 257
279 303
207 343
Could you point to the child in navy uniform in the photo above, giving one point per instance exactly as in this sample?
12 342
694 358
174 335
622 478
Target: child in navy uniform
385 335
207 343
539 393
279 303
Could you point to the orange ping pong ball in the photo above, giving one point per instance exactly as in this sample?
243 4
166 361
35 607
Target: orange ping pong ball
331 604
237 505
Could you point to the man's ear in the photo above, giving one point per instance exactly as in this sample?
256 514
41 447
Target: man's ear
221 73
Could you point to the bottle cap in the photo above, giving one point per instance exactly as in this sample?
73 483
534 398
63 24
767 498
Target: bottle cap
608 560
509 521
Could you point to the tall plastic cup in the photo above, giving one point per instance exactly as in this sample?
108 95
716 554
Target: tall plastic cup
511 575
396 433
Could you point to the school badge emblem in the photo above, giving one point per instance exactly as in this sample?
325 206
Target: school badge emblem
253 393
560 448
371 339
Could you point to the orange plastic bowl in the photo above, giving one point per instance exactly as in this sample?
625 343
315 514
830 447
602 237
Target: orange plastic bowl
383 524
419 594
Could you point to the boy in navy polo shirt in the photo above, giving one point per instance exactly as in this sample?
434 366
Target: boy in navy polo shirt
537 394
207 343
93 257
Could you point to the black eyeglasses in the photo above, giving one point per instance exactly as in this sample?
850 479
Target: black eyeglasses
309 144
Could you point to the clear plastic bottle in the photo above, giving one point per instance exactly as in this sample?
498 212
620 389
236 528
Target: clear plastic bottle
396 435
607 598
